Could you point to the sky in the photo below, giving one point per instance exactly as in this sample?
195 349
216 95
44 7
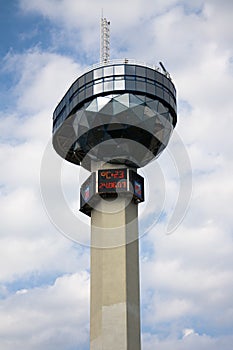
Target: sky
186 222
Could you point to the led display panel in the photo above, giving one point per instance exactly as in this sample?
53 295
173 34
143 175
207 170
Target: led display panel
112 180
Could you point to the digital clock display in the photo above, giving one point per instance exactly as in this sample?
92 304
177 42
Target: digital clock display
106 183
112 180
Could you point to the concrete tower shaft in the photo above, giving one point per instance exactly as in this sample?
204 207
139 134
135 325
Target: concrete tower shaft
115 300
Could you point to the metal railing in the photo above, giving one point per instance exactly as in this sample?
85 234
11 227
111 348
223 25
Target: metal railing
128 61
125 61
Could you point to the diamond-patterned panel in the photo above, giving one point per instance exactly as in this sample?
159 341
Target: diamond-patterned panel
109 128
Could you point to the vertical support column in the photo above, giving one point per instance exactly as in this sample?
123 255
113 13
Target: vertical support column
115 299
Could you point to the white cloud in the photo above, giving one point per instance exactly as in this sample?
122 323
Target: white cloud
51 317
191 342
127 17
29 242
188 277
43 79
188 331
23 256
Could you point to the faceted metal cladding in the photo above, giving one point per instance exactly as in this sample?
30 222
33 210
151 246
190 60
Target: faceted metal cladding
127 119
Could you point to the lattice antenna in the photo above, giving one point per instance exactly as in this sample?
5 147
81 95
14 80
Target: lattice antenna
104 40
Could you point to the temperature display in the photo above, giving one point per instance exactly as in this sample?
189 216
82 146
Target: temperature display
112 180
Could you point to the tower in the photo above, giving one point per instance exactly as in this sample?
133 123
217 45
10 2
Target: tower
114 119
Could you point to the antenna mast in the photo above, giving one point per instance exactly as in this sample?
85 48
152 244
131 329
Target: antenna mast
104 40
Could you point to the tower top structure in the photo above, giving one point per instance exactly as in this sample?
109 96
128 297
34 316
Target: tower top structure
119 112
111 108
104 40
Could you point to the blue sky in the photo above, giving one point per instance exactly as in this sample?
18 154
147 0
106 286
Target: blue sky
22 30
186 274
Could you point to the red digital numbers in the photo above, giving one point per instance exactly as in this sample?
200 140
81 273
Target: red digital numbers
113 184
112 179
115 174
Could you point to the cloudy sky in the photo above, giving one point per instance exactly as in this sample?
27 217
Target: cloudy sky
186 269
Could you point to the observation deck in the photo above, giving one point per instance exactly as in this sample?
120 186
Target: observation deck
116 100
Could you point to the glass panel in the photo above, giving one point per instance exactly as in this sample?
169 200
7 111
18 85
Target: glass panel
89 92
152 104
173 104
140 86
148 112
166 83
150 74
171 87
166 96
130 85
108 86
70 92
74 102
162 108
118 107
119 85
173 90
98 73
102 101
60 108
93 106
141 71
161 120
89 77
159 92
171 101
81 95
108 71
98 88
136 100
107 109
123 99
83 121
166 120
139 111
81 81
119 70
150 89
170 118
130 70
76 84
159 77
